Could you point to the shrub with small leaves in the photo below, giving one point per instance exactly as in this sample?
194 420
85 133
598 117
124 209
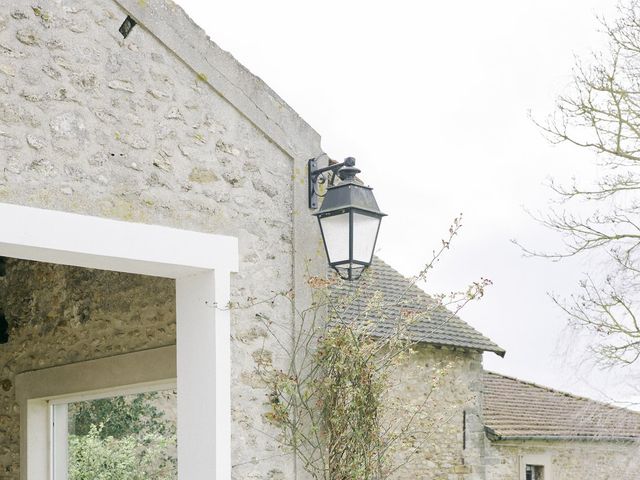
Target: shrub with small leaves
332 402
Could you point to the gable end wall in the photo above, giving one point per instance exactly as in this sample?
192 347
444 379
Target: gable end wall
125 129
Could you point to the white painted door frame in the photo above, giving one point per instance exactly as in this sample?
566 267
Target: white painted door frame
201 264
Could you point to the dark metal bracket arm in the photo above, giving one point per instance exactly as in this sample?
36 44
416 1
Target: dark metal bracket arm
316 176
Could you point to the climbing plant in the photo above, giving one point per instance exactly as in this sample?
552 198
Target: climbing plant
333 404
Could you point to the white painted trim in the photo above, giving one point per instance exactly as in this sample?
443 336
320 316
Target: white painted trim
128 372
35 440
60 441
38 390
115 392
197 405
201 264
223 376
94 242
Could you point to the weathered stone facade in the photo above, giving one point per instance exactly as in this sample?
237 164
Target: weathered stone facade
446 384
568 460
127 129
165 128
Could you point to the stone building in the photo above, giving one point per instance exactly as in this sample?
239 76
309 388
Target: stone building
148 182
454 445
492 427
145 182
534 432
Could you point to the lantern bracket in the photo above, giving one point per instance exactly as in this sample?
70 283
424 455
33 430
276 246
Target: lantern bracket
316 176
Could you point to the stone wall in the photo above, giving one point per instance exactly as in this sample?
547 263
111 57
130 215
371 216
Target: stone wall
445 384
569 460
94 124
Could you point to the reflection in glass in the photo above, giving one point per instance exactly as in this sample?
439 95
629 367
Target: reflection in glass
127 437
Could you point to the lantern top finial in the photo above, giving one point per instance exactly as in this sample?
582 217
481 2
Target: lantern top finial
349 171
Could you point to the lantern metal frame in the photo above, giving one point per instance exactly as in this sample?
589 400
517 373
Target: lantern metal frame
350 197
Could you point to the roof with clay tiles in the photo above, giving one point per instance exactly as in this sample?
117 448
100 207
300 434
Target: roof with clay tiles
515 409
433 324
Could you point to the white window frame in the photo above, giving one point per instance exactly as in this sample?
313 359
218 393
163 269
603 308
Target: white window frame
201 264
39 392
541 459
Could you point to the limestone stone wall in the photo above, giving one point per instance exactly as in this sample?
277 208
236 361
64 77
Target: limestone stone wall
446 384
569 460
94 124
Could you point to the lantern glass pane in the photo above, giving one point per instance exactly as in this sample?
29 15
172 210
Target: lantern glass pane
365 231
335 230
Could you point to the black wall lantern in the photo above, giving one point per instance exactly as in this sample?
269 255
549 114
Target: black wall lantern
349 217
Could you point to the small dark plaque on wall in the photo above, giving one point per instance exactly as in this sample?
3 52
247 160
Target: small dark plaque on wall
127 26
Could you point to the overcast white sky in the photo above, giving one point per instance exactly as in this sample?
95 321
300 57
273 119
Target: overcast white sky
432 99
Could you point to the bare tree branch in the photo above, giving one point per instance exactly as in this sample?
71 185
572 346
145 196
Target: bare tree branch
601 113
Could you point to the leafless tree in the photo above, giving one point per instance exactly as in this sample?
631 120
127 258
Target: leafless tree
601 218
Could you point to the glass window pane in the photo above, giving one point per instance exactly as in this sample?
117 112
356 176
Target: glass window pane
130 437
336 236
365 230
534 472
